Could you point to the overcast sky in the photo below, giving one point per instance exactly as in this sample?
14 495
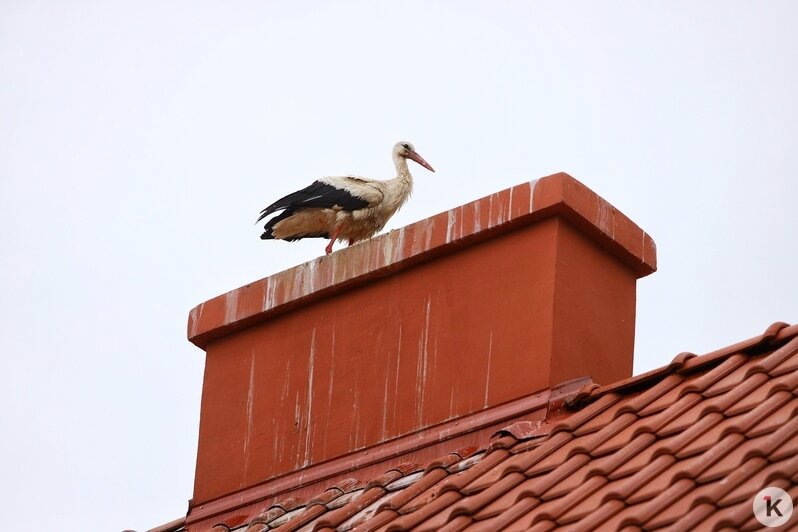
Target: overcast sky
139 140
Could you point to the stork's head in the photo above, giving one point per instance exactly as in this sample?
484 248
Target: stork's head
406 150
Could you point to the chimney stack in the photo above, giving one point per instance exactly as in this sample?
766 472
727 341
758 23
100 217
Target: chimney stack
414 336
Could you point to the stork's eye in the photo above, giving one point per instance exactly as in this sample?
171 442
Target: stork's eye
406 146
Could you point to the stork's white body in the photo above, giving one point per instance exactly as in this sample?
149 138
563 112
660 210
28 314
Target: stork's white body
344 208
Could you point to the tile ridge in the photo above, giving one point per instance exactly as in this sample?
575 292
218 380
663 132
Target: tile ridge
776 335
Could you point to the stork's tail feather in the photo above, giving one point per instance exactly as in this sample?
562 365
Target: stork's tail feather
280 204
265 212
268 229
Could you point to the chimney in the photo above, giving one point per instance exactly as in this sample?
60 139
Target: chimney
412 337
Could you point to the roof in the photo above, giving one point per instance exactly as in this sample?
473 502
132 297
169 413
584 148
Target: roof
686 446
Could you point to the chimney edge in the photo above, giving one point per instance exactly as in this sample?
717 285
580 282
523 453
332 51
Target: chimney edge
555 195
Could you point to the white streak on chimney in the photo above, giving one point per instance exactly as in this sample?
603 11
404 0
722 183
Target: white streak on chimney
450 220
230 304
605 218
297 412
334 268
275 441
396 378
372 259
532 185
435 353
387 245
196 316
268 296
385 407
477 221
329 392
250 394
415 246
279 443
487 373
399 250
286 380
490 211
297 426
421 367
308 430
429 229
309 271
356 408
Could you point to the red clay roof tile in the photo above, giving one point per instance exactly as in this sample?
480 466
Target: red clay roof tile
558 457
714 375
380 520
661 403
478 501
598 421
729 381
644 448
672 495
638 403
699 445
523 507
571 482
682 419
541 484
363 516
533 461
776 419
679 469
343 512
696 496
595 520
460 522
406 495
540 526
788 365
697 519
771 475
574 505
609 441
425 513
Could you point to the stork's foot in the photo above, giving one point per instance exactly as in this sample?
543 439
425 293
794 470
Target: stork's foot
333 238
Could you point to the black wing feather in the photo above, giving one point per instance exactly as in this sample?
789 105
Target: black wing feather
319 195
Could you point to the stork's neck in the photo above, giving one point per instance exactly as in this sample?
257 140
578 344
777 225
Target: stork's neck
402 171
398 189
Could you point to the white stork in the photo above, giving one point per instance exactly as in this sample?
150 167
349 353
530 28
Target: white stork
346 207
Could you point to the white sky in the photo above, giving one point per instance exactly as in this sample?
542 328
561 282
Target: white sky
139 140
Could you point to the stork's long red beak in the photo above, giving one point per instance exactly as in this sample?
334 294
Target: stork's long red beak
420 160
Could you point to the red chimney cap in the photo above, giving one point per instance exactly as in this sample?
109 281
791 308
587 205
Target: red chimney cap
554 195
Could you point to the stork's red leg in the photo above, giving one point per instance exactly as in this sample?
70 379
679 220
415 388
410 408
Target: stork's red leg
336 232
